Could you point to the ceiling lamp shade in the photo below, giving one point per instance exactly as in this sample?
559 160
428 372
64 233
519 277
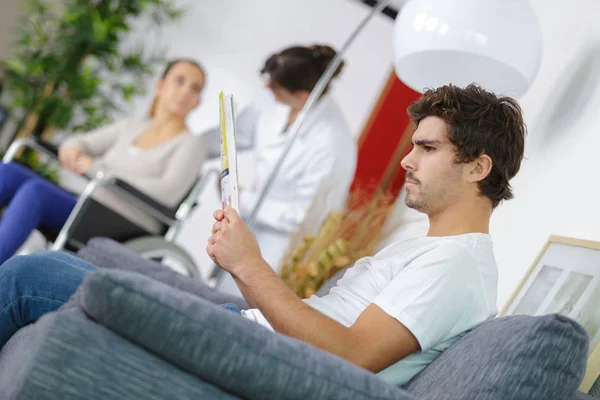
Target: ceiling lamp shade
495 43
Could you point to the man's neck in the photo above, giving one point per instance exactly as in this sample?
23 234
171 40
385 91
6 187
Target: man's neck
461 218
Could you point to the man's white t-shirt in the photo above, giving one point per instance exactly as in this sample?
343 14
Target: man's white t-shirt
437 287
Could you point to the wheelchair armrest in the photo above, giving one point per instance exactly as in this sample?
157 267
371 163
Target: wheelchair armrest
138 195
32 143
47 148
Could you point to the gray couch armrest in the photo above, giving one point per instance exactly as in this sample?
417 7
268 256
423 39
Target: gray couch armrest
66 356
221 347
108 254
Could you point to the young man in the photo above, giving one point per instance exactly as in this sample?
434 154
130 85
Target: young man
395 312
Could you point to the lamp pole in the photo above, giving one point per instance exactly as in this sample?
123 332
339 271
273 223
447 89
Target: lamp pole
308 106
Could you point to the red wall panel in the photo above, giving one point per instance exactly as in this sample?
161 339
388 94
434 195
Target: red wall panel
381 139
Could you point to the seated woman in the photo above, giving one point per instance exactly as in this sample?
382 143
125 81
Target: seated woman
156 154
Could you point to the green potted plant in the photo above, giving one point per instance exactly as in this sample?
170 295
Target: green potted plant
68 69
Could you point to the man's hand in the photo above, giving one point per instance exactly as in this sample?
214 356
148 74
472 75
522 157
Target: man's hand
232 245
68 157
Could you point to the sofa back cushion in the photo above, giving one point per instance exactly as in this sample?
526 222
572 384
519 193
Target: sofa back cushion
518 357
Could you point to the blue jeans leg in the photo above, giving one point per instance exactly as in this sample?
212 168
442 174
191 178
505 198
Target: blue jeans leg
33 285
12 176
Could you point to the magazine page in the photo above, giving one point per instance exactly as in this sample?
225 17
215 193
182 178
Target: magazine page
229 176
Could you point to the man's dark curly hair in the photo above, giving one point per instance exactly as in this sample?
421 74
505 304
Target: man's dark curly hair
479 122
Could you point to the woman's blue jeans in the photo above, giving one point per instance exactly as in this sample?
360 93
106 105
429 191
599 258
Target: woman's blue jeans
33 285
30 201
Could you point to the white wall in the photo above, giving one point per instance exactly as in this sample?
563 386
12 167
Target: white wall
233 38
557 190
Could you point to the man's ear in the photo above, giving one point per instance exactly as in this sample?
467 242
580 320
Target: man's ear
480 168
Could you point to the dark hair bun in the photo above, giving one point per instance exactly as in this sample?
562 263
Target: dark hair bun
299 68
326 54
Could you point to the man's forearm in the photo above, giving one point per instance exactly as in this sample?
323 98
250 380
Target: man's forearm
289 315
233 246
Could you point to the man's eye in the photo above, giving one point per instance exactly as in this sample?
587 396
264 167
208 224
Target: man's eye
429 149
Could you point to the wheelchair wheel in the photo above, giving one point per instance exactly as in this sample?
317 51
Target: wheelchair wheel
157 248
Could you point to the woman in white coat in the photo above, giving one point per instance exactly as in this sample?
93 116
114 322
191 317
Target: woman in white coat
318 170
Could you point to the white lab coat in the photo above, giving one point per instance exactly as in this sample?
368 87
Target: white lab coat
314 179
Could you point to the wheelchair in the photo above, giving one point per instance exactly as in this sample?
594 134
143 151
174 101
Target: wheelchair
90 218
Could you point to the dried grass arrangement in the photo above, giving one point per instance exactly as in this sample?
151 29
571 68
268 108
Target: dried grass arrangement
342 239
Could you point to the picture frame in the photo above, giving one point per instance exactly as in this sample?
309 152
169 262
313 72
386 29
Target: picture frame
564 279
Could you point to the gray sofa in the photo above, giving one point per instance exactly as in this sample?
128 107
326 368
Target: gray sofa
136 330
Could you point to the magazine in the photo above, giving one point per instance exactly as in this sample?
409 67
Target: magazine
229 176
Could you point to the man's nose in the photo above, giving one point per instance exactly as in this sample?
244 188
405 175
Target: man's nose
408 162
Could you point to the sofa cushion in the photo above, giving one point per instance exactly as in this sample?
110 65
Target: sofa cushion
221 347
519 357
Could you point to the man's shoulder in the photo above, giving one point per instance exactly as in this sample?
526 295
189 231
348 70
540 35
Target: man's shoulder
460 244
450 248
461 252
453 245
